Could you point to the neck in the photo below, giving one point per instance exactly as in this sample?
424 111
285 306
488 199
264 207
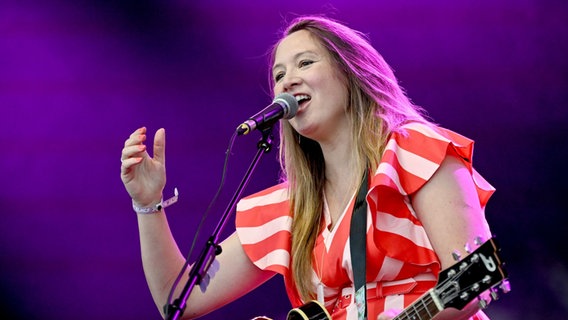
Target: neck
342 174
340 162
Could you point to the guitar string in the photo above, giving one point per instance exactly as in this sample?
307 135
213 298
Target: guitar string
428 299
426 303
448 280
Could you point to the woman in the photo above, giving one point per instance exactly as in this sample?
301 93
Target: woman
424 198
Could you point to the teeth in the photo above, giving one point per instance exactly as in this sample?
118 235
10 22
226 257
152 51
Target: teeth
301 97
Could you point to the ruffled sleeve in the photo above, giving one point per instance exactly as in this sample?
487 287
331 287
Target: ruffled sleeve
263 224
410 159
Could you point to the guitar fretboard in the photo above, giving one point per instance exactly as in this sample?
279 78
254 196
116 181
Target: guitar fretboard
424 308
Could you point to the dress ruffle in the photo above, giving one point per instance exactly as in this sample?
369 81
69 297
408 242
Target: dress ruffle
410 159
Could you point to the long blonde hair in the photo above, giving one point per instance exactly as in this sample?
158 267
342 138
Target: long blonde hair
377 107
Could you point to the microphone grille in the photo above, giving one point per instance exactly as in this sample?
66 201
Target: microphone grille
289 103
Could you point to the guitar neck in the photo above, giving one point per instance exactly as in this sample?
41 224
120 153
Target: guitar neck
425 308
457 286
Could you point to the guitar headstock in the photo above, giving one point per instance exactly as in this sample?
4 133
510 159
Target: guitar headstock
481 270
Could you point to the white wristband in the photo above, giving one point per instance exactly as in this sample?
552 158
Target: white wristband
158 206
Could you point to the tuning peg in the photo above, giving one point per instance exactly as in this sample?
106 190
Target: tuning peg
494 295
467 248
483 304
475 287
505 286
456 255
474 258
478 240
452 273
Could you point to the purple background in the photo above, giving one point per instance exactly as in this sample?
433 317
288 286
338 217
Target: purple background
76 77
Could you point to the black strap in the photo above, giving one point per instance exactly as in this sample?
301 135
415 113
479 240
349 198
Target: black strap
358 247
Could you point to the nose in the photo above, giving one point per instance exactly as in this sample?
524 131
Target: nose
290 81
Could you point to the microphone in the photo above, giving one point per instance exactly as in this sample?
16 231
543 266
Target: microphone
283 106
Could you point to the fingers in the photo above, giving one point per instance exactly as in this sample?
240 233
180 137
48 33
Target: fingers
136 137
134 145
129 162
160 146
134 149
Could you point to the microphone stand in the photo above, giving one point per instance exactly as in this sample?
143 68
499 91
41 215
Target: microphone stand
212 248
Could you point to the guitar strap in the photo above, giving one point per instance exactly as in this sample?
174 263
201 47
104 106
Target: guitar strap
357 243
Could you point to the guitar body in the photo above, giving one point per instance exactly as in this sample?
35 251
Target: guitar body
312 310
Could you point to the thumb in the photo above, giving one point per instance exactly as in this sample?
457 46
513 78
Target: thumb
160 146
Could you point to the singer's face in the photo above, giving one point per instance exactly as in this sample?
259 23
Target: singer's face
304 68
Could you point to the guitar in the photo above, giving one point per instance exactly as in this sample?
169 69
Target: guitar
457 286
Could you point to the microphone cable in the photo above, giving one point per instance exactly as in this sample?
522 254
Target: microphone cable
199 227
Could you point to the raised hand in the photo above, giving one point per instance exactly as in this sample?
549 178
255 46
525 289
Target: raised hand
143 176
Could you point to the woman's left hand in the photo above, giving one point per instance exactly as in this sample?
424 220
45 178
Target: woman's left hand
388 314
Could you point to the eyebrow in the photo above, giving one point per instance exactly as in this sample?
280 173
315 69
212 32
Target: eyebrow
296 56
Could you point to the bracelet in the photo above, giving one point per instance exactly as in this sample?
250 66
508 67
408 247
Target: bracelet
158 206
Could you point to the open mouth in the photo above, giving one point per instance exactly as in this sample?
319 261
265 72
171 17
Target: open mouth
302 99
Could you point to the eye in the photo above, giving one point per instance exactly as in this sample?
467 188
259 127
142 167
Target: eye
305 63
278 76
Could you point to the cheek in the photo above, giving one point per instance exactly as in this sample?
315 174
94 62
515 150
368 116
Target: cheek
339 90
277 89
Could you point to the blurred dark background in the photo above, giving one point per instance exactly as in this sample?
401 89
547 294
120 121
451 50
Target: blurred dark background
77 77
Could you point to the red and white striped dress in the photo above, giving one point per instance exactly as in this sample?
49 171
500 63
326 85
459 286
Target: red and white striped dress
401 264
